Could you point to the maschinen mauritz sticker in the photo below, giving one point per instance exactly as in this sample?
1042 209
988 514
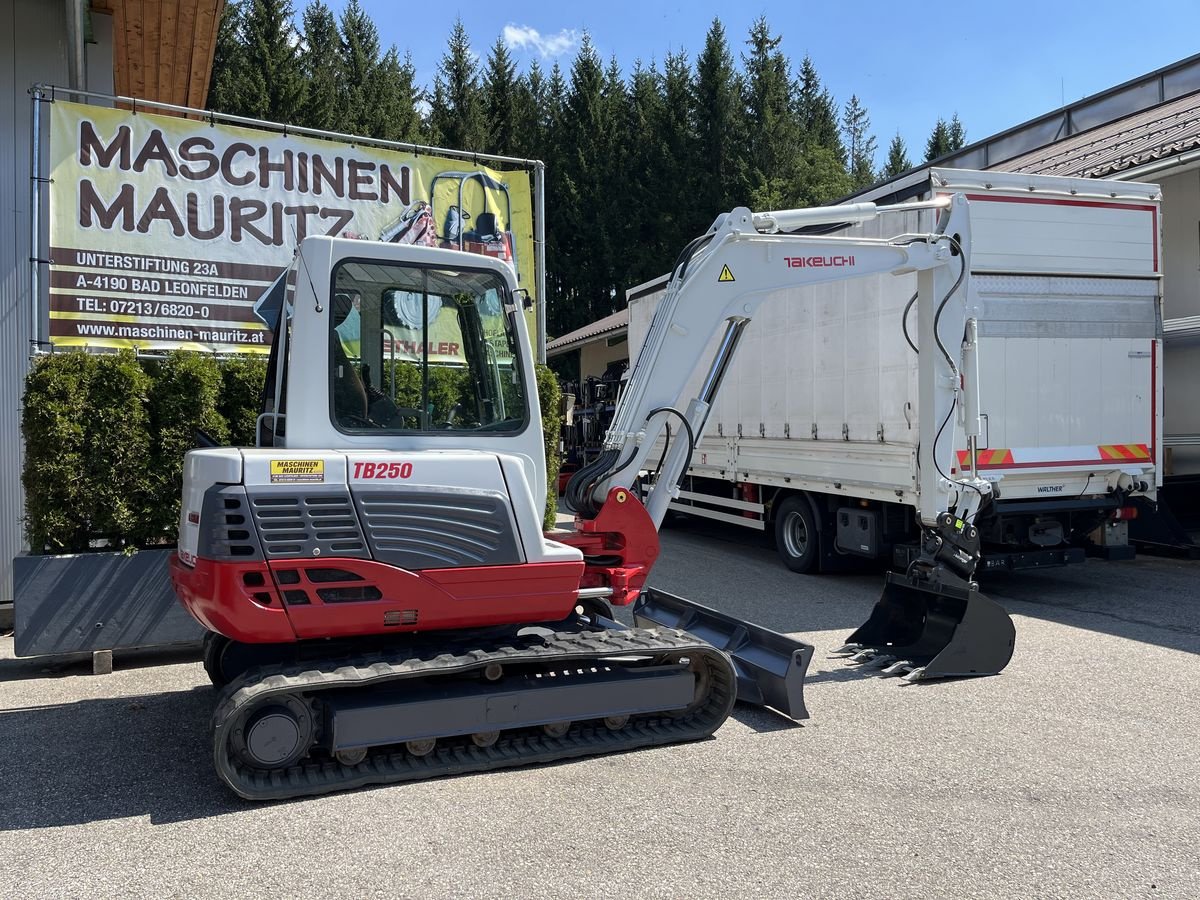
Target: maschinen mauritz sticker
297 470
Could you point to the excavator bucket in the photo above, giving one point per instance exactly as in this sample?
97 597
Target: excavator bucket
921 632
770 666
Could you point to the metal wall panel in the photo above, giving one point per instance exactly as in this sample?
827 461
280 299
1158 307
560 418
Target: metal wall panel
33 48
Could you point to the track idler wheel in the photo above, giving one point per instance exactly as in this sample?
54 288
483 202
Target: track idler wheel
275 735
213 649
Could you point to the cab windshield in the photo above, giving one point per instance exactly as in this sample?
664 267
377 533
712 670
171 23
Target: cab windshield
416 349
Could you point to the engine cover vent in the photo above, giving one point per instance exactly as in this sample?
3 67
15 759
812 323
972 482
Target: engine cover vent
310 524
437 528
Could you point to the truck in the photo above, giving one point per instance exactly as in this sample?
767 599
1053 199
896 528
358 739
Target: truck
816 438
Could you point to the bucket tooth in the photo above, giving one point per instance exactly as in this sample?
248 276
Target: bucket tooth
863 656
898 668
846 650
881 661
914 676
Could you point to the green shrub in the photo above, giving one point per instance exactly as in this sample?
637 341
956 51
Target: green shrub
53 419
242 380
550 399
120 497
184 398
105 436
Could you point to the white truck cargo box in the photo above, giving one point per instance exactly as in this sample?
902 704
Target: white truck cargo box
822 396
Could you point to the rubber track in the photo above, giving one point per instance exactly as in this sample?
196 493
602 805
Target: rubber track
518 748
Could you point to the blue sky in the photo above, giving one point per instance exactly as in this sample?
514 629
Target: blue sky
996 64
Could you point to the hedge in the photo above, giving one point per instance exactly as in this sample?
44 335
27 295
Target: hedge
105 436
550 398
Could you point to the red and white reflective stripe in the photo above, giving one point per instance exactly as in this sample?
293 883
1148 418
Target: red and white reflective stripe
993 458
1136 452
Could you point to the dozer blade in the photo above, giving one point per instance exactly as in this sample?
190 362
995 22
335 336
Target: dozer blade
941 632
770 666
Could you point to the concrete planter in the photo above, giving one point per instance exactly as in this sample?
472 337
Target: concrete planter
90 602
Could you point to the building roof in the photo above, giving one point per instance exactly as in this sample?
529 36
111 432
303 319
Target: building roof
1159 132
609 325
163 49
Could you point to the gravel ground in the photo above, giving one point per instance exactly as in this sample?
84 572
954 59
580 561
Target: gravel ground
1076 773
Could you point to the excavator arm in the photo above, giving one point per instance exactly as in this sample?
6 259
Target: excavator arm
932 621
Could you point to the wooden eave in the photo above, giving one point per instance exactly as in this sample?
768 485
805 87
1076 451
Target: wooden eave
163 49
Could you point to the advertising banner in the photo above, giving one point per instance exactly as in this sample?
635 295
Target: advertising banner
165 231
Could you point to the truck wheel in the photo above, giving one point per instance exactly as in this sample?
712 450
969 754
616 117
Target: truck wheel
796 535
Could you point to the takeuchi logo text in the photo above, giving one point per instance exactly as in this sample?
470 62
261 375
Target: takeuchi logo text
818 262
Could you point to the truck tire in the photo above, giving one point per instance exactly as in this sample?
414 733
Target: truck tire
796 536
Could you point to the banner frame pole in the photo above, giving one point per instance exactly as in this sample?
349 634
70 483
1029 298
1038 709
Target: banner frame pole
35 209
539 255
283 128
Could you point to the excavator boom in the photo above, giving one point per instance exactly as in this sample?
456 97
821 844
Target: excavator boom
932 621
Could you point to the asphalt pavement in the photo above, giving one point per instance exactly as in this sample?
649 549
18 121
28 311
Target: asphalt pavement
1075 773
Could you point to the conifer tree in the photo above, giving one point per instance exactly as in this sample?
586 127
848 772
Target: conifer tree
456 111
720 127
678 175
897 159
358 56
817 110
319 65
271 85
560 290
860 143
223 86
773 139
644 164
393 98
530 121
821 174
585 249
938 144
500 100
956 133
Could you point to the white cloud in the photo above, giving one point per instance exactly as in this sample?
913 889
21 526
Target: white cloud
549 45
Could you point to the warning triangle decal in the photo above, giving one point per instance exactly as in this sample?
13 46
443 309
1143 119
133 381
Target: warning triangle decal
726 275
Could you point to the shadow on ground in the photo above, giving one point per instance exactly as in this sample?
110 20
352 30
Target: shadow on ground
1150 599
1113 598
113 758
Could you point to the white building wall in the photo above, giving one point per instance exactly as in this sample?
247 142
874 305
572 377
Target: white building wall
594 357
33 48
1181 244
1181 299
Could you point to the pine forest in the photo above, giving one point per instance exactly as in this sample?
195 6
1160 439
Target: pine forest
639 160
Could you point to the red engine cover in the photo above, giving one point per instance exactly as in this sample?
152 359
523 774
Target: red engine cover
297 599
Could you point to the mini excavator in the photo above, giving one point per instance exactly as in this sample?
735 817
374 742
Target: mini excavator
381 600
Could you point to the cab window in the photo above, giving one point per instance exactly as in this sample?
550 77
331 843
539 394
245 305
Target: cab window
418 349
